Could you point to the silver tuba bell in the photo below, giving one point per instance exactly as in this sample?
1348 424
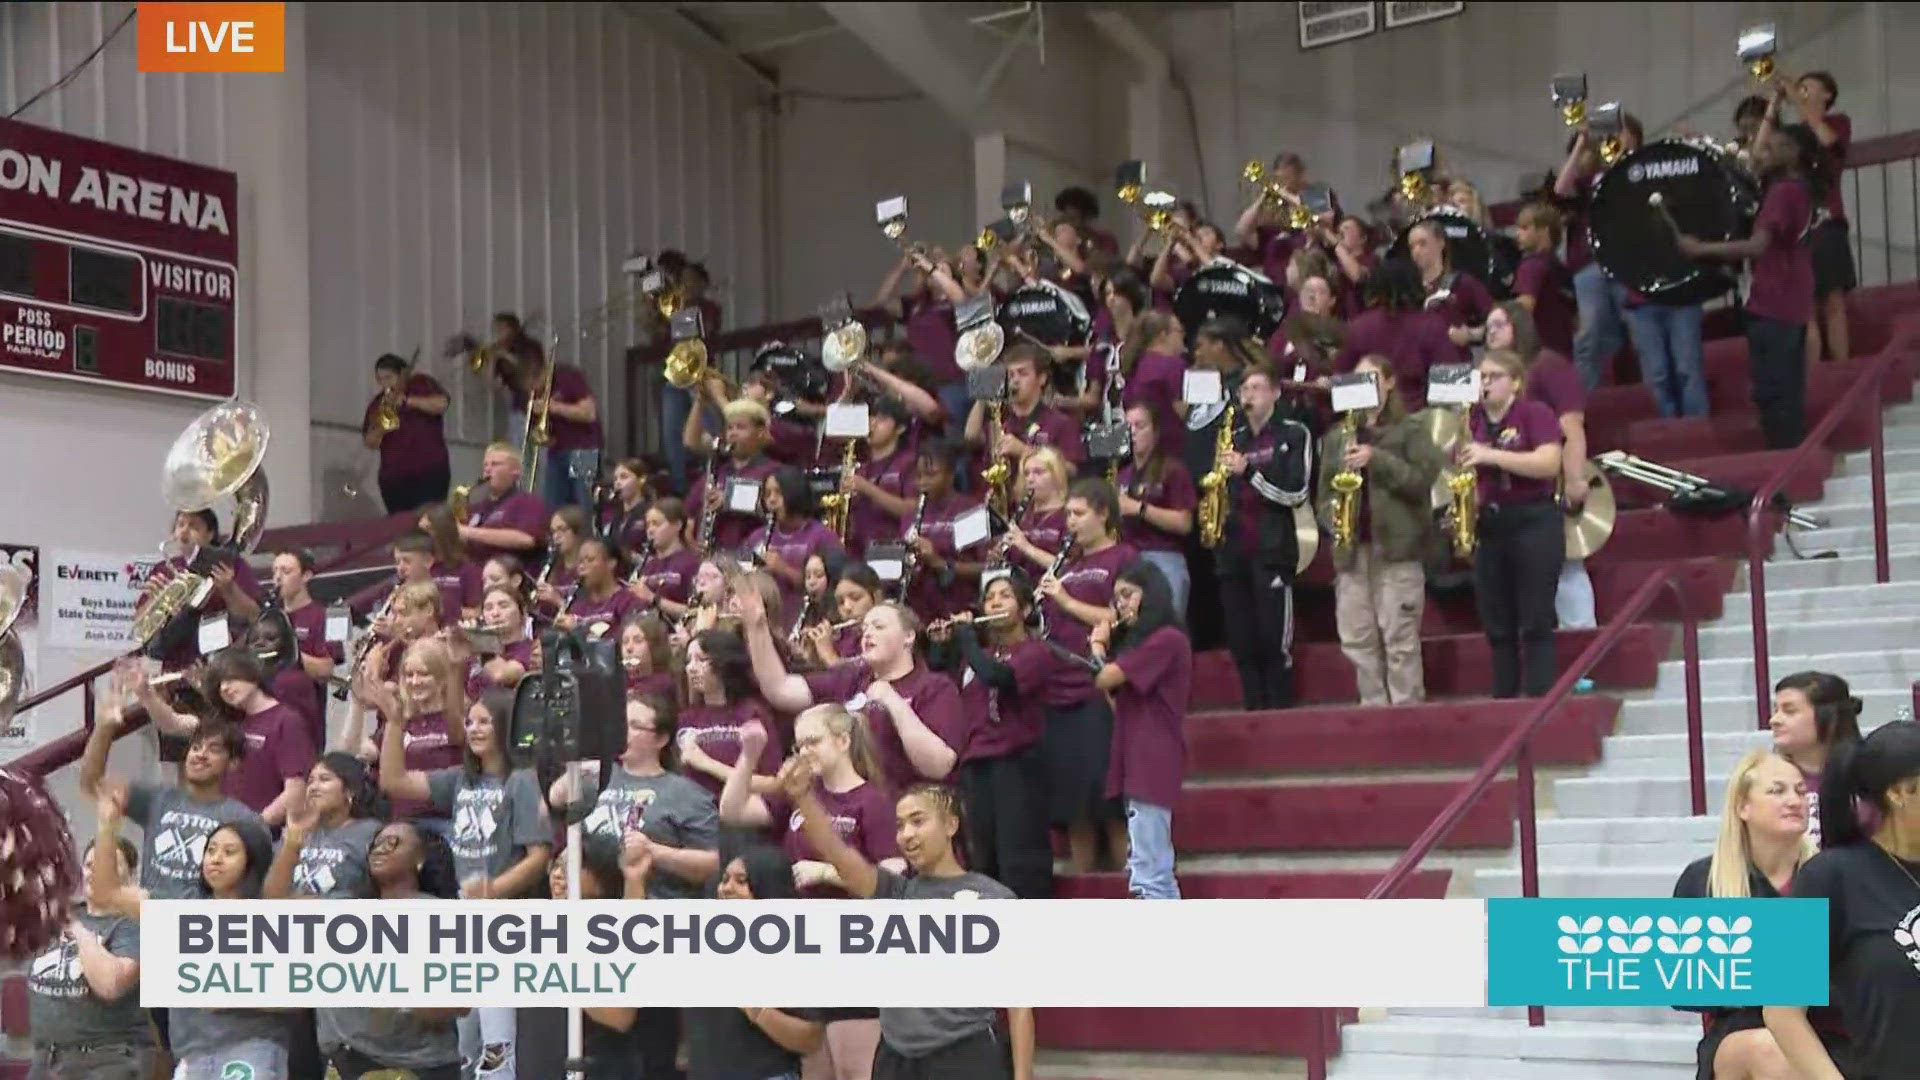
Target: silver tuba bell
13 660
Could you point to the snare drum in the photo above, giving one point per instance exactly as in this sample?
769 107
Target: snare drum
1228 289
1710 197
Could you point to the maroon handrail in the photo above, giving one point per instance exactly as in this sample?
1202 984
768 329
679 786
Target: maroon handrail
1760 521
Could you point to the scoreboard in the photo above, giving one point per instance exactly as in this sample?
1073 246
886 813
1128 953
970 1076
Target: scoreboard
116 266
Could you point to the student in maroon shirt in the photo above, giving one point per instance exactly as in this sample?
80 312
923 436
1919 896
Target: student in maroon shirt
1515 452
573 420
1356 259
795 536
1153 367
1003 672
413 456
1542 282
1157 498
1396 326
945 579
624 517
647 657
292 574
457 575
272 639
1600 299
720 702
1459 298
1151 680
427 701
502 519
741 455
1026 421
1814 95
272 776
663 580
882 486
602 601
1079 208
503 611
1780 297
856 589
1039 528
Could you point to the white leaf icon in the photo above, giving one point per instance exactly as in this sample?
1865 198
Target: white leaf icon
1740 925
1591 945
1690 946
1618 925
1568 925
1591 925
1641 944
1642 924
1717 946
1669 926
1568 945
1666 943
1690 925
1741 946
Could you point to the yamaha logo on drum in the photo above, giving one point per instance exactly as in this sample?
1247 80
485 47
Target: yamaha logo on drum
1658 170
1032 307
1226 286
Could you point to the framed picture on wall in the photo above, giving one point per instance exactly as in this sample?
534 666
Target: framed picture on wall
1323 22
1407 12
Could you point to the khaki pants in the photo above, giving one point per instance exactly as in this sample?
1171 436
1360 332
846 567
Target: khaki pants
1377 605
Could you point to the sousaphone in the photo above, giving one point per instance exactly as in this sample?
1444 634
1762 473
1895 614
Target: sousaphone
13 659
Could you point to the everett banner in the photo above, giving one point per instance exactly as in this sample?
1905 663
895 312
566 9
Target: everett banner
90 597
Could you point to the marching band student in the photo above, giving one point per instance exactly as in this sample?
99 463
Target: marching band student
725 1043
272 775
1515 452
83 1008
1461 298
188 814
503 613
566 530
1154 364
1761 847
602 600
817 604
503 519
913 711
1814 715
1003 772
1553 381
1356 259
1171 270
1542 283
1027 421
709 599
881 486
665 578
414 614
1868 872
1079 734
208 1044
573 422
1124 298
921 1044
506 572
329 834
1157 498
1396 326
427 704
1150 679
413 562
1600 299
235 588
1780 296
1270 471
500 838
624 518
795 535
272 635
926 309
720 703
1379 585
413 456
1833 275
742 455
648 658
292 574
457 575
1309 340
644 794
945 579
1224 345
403 863
855 593
1038 533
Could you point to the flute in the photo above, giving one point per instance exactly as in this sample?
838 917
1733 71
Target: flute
978 620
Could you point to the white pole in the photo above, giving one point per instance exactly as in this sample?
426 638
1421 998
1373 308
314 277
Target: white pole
576 1038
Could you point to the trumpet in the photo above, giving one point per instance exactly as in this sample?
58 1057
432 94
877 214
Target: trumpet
386 415
1299 218
169 678
1346 486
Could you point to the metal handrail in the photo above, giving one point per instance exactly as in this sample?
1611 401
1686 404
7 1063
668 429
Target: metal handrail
1760 524
1515 750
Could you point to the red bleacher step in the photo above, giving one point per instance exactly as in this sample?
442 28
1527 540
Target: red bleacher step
1457 665
1435 734
1338 815
1262 885
1214 1031
13 1006
1650 535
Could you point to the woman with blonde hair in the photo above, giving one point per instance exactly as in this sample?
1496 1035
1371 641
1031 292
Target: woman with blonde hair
429 702
1761 846
1038 533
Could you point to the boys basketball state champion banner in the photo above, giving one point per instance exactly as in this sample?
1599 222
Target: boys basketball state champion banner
965 953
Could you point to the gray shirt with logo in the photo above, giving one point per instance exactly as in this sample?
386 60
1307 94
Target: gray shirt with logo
175 828
919 1032
495 820
670 809
396 1038
63 1010
333 862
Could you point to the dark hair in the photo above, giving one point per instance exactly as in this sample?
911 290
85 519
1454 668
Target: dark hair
129 853
1836 712
862 575
795 492
1079 199
414 542
1526 332
1100 496
574 518
390 362
1825 80
444 531
205 517
614 553
1816 163
1026 352
1632 124
499 708
599 856
511 321
666 724
363 795
727 655
940 453
892 408
947 799
1156 604
1128 285
1236 337
258 844
1753 106
769 871
1395 285
299 555
671 509
232 662
1016 580
1853 792
436 876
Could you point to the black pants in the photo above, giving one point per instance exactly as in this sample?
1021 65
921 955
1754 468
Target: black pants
304 1060
981 1056
1256 601
352 1065
413 492
1777 368
1007 840
1516 569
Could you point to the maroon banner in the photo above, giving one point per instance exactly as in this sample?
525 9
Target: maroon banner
116 266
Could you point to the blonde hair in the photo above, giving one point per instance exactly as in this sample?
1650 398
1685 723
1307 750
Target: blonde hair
1730 870
506 448
432 654
841 721
418 596
1508 361
1054 462
746 409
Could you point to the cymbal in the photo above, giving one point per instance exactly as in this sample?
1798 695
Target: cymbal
1445 428
1306 532
1588 530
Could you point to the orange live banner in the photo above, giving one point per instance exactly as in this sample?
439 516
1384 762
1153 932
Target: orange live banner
212 37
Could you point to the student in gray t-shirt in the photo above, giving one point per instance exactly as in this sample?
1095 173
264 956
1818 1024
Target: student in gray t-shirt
925 1044
323 852
644 793
80 1033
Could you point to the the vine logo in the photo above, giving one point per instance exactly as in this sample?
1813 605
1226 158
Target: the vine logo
1610 951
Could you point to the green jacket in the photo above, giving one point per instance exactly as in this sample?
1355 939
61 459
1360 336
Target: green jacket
1398 488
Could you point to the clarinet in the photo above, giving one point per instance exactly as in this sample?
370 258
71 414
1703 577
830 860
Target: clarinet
711 512
1006 538
1059 564
759 555
912 563
800 622
640 564
361 648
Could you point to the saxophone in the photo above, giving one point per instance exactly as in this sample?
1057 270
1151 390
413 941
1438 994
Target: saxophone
911 537
1463 515
1213 486
995 476
835 506
1346 486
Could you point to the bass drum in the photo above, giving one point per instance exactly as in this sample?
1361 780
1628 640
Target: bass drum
1228 289
1709 195
1492 259
1052 316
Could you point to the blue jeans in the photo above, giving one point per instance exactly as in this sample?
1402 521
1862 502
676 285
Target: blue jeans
559 486
1668 341
1601 331
1150 852
1173 567
1573 606
675 404
954 398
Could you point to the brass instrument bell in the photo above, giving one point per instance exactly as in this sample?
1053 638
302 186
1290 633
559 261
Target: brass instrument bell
1570 97
386 416
220 455
1415 161
686 365
13 661
1159 206
1756 48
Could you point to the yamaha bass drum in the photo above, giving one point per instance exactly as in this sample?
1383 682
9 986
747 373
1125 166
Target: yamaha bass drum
1492 259
1709 195
1226 289
1050 315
